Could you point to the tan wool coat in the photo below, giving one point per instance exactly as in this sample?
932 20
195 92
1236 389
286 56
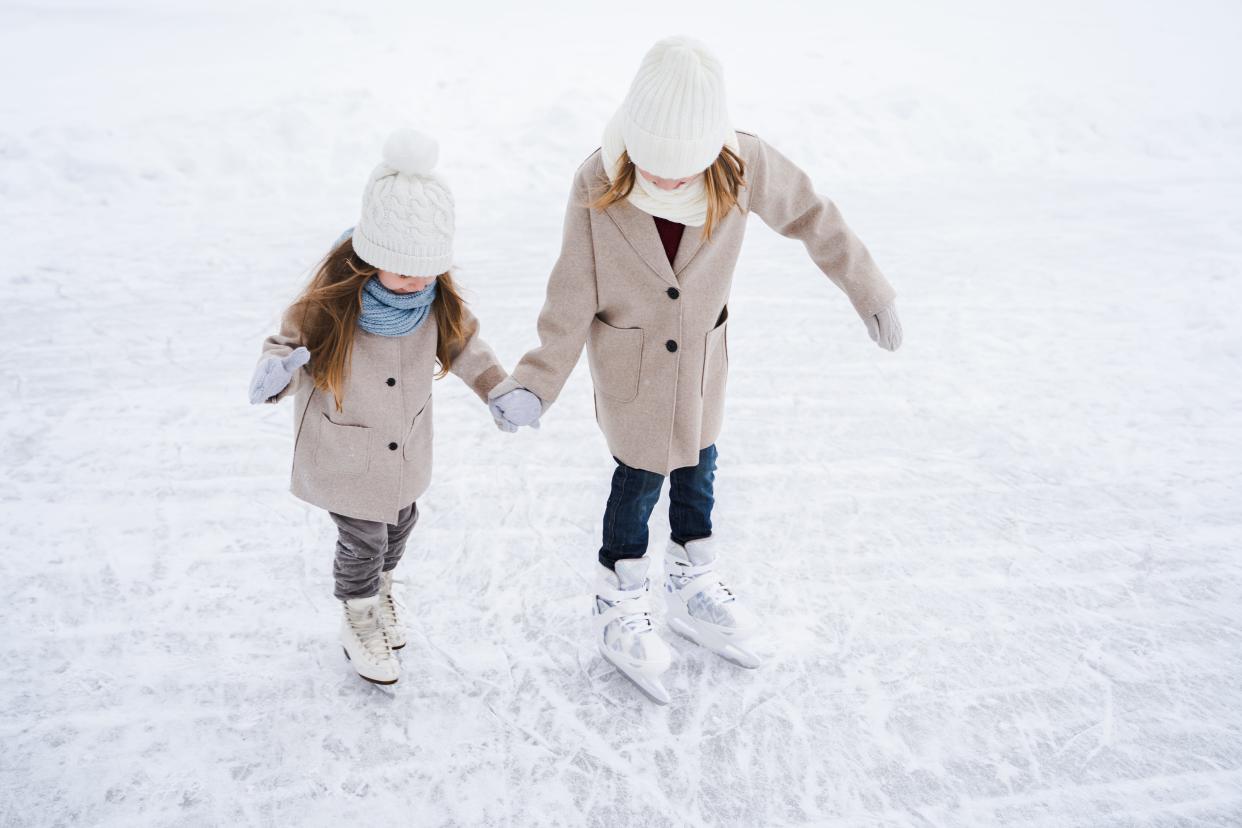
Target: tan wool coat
656 334
373 457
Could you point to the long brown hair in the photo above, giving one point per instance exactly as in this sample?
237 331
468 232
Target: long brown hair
723 180
327 315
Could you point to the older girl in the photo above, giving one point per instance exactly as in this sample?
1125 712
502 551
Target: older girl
358 350
652 235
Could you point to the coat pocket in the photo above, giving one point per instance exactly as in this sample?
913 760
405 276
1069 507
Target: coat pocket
616 359
418 438
343 449
716 357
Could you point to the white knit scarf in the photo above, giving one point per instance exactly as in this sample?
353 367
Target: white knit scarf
685 205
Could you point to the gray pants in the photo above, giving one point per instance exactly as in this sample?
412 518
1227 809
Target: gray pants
365 548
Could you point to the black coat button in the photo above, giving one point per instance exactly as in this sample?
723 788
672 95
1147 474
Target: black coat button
671 345
673 293
392 446
391 381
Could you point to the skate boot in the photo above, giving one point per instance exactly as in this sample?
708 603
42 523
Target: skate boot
392 612
366 644
623 629
701 608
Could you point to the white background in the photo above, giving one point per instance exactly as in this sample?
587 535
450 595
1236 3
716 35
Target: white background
999 568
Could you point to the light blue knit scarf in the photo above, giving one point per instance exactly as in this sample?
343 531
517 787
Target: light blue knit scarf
387 313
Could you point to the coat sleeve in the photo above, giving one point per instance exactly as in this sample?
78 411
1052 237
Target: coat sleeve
569 306
784 197
279 346
475 362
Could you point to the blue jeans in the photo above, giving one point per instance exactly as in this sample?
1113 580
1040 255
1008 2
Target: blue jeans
634 495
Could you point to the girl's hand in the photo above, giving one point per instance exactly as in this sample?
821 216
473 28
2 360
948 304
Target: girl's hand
885 328
271 375
514 409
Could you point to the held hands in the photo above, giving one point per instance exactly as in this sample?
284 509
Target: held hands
514 409
885 328
273 374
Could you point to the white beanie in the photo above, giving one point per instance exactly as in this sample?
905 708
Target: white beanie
407 213
674 120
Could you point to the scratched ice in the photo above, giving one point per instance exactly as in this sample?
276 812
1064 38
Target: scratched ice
1000 567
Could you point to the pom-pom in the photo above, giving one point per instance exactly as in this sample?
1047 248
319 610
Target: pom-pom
411 152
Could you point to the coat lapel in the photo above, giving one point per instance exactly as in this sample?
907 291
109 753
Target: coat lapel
640 231
691 241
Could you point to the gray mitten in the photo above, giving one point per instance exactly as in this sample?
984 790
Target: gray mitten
273 374
885 328
514 409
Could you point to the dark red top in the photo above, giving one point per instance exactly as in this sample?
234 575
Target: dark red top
670 235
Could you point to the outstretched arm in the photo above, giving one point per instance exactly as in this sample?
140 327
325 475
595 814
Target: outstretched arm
784 197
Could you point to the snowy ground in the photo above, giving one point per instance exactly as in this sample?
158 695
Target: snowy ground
1001 567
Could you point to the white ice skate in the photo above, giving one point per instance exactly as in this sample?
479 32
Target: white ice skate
365 642
701 608
392 612
623 629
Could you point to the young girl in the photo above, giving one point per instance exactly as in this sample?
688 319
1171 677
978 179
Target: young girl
654 226
358 350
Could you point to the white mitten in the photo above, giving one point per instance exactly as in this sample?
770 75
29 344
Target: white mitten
514 409
271 375
885 328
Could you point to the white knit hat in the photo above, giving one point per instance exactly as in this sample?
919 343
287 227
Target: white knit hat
674 119
407 213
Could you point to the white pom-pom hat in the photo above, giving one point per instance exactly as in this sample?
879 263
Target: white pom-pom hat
407 211
675 120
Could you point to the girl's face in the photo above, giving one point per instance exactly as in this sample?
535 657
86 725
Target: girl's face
404 284
664 183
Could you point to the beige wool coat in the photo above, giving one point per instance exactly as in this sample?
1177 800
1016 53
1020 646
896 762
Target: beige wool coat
372 458
655 334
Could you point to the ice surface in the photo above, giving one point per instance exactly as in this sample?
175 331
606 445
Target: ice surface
1000 567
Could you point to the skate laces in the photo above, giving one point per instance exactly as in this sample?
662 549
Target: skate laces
716 591
391 609
636 612
370 632
636 622
719 593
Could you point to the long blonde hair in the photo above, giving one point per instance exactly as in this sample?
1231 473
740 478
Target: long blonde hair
723 180
327 312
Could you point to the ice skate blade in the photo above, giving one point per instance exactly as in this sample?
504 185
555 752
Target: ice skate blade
368 678
652 688
727 650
